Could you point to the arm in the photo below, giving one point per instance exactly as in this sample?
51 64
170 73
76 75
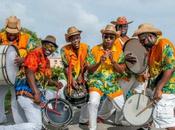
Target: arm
32 84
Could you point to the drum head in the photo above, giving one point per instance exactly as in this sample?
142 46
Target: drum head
134 46
11 68
133 106
57 113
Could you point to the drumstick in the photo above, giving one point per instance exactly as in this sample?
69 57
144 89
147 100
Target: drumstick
138 101
144 109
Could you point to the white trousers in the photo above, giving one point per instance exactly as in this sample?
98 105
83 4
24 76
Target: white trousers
14 104
30 114
94 101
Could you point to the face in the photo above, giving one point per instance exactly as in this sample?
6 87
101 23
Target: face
147 40
108 40
48 49
75 41
12 36
122 28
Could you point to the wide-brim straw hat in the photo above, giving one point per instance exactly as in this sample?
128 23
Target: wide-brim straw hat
12 25
50 39
109 29
147 28
121 21
72 31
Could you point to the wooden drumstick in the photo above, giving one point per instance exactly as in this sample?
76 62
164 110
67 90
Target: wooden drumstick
144 109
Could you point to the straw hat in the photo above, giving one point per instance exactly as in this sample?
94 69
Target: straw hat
109 29
147 28
72 31
12 24
50 39
121 21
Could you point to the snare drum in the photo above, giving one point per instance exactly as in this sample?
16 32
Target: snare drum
78 97
137 50
8 69
133 106
57 113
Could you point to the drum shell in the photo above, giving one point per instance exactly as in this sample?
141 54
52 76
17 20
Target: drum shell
5 69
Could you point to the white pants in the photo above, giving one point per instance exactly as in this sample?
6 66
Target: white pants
94 102
164 112
14 104
108 109
30 114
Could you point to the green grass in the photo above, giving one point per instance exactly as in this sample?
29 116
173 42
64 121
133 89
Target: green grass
8 102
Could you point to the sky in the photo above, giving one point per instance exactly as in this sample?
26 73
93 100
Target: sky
55 16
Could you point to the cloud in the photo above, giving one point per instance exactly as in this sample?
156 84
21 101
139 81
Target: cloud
54 17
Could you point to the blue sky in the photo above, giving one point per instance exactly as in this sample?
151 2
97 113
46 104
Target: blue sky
55 16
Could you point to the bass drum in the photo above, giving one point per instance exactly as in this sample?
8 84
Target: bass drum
57 113
8 69
133 106
78 97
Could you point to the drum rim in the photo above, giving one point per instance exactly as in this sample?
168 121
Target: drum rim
54 124
129 121
126 63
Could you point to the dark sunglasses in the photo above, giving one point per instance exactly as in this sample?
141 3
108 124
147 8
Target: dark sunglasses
109 36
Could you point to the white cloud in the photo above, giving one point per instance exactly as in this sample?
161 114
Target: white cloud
55 16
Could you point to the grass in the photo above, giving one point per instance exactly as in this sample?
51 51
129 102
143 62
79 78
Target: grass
8 102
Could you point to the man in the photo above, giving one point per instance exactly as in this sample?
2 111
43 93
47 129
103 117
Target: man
105 66
12 35
35 72
74 56
161 68
133 81
129 83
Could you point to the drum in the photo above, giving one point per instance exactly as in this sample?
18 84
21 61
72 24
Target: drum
56 114
8 69
134 47
78 97
133 106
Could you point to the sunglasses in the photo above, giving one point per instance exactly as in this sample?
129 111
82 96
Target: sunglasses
50 47
112 37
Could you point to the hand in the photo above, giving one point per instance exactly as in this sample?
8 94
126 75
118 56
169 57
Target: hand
59 85
146 76
80 79
18 60
111 57
157 94
130 58
103 58
74 84
37 97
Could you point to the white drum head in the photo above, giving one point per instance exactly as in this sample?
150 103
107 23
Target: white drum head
11 68
133 106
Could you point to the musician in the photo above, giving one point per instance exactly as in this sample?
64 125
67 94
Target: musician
13 35
74 56
133 81
35 72
104 67
130 84
161 68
